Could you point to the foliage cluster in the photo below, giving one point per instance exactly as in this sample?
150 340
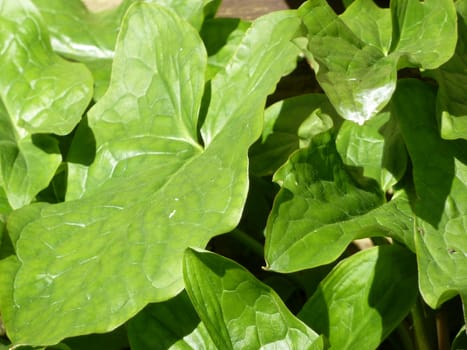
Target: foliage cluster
141 166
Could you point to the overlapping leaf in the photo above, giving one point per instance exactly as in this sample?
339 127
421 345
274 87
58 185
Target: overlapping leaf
222 37
41 93
359 303
321 209
239 311
377 147
356 55
440 178
172 324
452 81
90 37
288 125
152 189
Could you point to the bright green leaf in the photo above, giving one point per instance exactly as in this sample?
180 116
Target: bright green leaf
172 324
27 162
152 189
440 179
8 268
239 311
377 147
359 303
42 92
369 23
452 81
83 35
355 58
288 125
90 37
320 210
358 78
424 33
222 37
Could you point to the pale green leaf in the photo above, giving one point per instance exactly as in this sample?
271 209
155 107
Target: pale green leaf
356 58
424 33
440 179
320 209
42 92
377 147
153 189
369 23
288 125
170 325
359 303
239 311
452 81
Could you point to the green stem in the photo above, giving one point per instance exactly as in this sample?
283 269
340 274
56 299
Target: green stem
425 334
405 336
248 241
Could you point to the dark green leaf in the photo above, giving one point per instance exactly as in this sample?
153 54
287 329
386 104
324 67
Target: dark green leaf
172 324
359 303
288 125
440 179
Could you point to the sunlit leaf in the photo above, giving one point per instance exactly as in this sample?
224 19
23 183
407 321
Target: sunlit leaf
239 311
153 188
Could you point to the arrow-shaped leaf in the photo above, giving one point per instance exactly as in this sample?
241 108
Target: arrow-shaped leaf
153 188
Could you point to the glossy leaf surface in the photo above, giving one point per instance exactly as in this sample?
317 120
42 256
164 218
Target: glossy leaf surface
153 188
359 303
356 56
320 205
41 93
239 311
377 147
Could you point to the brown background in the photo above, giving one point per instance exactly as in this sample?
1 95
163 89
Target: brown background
246 9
